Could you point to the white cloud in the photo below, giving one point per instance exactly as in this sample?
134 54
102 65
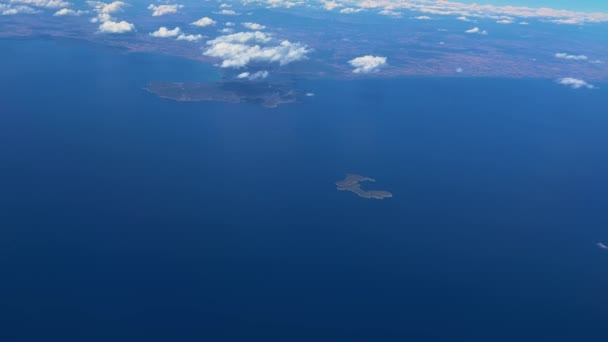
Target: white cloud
463 18
164 32
575 83
390 13
110 8
563 55
69 12
567 21
367 64
190 37
601 245
423 17
161 10
105 10
42 3
255 76
204 22
116 27
474 9
505 21
277 3
331 5
524 23
237 50
350 10
226 30
243 38
253 26
227 12
459 70
477 31
229 24
6 9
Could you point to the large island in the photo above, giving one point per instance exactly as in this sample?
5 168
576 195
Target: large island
352 183
266 94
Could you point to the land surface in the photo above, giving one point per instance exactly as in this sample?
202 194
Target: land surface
352 183
267 94
438 47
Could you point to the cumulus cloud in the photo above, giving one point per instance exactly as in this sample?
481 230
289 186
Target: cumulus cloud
164 32
423 17
505 21
69 12
473 9
367 64
253 77
563 55
277 3
204 22
253 26
42 3
116 27
567 21
227 12
6 9
331 5
105 10
238 50
110 8
477 31
243 38
190 37
463 18
161 10
390 13
575 83
350 10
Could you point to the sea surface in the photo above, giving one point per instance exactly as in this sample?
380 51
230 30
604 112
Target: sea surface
126 217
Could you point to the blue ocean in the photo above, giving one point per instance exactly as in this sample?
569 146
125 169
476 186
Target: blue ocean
127 217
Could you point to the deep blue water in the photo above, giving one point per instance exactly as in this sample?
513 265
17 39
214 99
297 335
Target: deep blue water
124 217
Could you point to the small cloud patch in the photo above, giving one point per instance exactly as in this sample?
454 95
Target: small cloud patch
116 27
204 22
575 83
164 32
563 55
160 10
260 75
253 26
476 30
367 64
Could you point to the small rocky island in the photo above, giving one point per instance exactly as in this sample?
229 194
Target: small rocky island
266 94
352 183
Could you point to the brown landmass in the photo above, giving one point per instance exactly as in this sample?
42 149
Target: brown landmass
266 94
352 183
